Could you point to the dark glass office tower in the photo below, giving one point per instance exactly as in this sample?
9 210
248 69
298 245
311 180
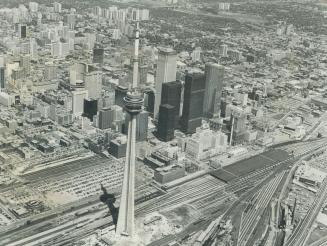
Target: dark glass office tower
23 31
194 91
90 108
171 94
2 78
98 54
120 93
149 101
166 125
214 76
106 118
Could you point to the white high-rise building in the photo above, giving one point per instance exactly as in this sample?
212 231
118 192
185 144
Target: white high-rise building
59 49
76 73
113 12
224 6
33 49
223 50
71 43
71 34
50 71
39 18
135 14
98 11
116 34
166 72
25 48
242 98
26 64
121 15
196 54
78 97
33 6
64 49
15 16
90 40
56 49
93 84
23 12
71 21
57 7
144 14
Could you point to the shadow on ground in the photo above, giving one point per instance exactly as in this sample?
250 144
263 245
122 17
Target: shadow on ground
109 200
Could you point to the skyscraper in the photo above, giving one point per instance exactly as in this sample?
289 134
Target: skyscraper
214 75
120 93
171 94
78 101
93 84
50 71
2 72
33 48
237 124
106 118
193 102
98 54
25 62
149 100
97 11
223 50
135 14
2 77
33 6
143 74
142 121
22 29
166 126
71 21
76 73
166 72
238 121
90 108
57 7
59 49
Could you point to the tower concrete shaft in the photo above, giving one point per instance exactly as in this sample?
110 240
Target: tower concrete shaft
133 106
125 225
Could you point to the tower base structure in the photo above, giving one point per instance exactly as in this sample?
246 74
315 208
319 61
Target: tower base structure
127 241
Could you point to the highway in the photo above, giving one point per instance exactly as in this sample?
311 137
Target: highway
316 127
281 197
321 242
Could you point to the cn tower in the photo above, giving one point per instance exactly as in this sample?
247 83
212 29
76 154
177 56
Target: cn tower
133 106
